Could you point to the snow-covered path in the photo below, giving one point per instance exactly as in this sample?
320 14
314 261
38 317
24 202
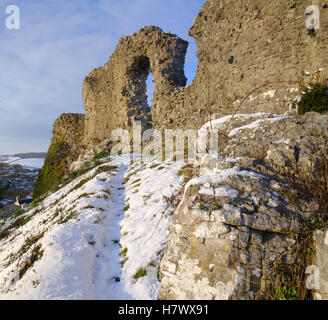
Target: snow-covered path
90 239
107 269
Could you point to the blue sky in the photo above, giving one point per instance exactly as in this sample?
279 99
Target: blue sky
42 65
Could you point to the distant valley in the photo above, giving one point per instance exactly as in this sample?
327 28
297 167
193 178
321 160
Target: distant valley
18 173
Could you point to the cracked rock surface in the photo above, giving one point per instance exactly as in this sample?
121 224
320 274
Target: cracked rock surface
238 222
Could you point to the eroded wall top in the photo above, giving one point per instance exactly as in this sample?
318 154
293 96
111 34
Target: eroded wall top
115 95
242 45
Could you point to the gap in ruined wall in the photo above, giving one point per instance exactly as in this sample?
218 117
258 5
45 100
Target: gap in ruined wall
191 61
150 89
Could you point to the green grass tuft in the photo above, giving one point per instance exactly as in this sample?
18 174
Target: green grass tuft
314 99
142 272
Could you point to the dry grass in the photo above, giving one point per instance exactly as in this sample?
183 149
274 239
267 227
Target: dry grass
288 280
312 185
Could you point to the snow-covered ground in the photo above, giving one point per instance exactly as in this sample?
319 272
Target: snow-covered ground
7 159
103 235
29 163
73 245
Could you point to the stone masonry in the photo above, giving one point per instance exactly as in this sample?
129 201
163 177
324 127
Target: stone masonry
66 146
236 233
115 95
242 45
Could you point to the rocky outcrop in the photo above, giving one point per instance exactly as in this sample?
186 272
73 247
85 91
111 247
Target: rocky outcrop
241 229
318 272
69 128
65 147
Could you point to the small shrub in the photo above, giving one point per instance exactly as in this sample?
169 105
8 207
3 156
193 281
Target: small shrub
136 181
142 272
287 292
314 99
154 166
89 207
105 169
37 201
4 234
36 255
18 213
29 242
308 253
101 155
123 254
69 217
25 221
217 206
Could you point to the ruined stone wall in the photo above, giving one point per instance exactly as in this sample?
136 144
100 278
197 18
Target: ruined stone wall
115 95
69 127
243 45
65 147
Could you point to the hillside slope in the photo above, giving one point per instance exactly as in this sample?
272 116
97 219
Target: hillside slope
68 246
241 229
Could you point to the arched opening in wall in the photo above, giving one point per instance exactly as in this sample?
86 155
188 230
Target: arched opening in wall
139 107
150 89
191 61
